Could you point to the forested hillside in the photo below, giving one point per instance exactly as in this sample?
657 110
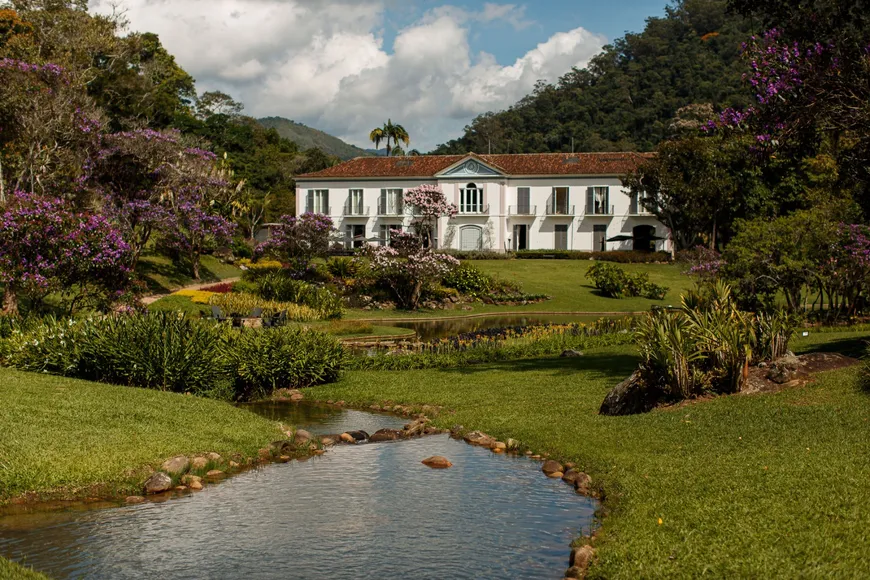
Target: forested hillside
628 96
306 137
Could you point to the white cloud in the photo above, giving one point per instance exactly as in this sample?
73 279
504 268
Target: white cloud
324 63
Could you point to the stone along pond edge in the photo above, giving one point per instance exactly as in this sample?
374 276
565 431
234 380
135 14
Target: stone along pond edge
183 475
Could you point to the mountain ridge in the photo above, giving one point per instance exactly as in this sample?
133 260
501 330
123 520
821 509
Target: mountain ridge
307 137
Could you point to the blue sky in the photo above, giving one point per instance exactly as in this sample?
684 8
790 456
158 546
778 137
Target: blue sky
346 66
546 18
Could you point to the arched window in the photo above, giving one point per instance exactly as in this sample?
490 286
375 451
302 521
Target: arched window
471 199
471 238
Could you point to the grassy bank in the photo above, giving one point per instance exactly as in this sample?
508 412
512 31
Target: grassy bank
565 281
745 486
162 275
68 438
12 571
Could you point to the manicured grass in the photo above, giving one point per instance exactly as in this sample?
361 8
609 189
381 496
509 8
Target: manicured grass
566 282
64 437
746 486
180 304
164 276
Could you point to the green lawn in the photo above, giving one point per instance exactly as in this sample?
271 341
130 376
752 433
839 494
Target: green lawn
565 281
163 276
746 486
62 437
12 571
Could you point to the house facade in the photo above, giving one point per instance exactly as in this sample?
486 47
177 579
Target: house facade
555 201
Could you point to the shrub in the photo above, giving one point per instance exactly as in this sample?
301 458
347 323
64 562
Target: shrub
242 249
280 287
222 288
50 346
615 282
240 305
478 254
623 257
281 358
468 280
343 267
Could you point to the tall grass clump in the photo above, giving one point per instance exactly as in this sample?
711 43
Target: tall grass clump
277 358
282 288
242 304
171 352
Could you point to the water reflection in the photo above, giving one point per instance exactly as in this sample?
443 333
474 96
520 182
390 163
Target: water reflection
369 511
325 419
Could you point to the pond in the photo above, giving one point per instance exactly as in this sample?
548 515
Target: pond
437 329
365 511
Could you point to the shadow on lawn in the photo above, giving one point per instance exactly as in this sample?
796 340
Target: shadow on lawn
598 365
855 347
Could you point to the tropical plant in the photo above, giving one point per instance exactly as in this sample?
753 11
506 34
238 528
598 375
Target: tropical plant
282 288
468 280
241 305
280 358
615 282
669 354
390 134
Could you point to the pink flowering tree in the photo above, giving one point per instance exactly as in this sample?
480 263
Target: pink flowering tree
408 268
429 205
299 240
48 247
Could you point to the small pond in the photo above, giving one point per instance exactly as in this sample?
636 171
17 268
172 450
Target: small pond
436 329
366 511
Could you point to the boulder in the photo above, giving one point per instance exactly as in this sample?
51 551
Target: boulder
158 483
134 499
176 465
327 441
570 353
387 435
282 447
198 463
358 435
301 437
581 557
581 481
437 462
213 456
215 473
296 397
551 466
195 485
498 446
180 488
555 475
188 480
478 438
347 438
631 397
234 465
264 453
574 572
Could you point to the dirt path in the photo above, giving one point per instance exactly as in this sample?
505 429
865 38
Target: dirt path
148 300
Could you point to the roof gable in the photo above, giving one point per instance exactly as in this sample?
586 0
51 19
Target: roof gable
469 167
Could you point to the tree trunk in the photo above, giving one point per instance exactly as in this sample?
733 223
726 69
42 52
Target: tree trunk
2 184
194 264
10 301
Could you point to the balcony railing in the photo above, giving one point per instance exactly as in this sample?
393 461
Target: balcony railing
385 208
523 210
321 211
474 210
355 211
561 210
605 211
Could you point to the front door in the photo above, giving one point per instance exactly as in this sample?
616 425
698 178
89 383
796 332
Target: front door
521 237
599 238
562 237
355 236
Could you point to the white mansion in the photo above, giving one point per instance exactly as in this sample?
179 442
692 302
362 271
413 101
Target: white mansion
556 201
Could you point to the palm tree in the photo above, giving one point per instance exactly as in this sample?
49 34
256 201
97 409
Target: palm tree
377 135
390 134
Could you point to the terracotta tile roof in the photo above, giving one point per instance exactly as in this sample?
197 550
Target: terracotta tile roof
512 165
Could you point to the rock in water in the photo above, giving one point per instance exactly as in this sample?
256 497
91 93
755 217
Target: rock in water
176 465
387 435
630 397
199 463
301 437
158 483
437 462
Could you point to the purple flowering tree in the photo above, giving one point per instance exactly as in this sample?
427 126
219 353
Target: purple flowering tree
192 226
298 240
408 268
48 247
429 204
49 127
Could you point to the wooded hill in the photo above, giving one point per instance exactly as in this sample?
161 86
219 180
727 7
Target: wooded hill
306 138
628 96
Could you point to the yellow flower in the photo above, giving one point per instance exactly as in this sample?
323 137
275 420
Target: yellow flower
661 521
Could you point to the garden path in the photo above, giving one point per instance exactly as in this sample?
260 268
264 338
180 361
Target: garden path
148 300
